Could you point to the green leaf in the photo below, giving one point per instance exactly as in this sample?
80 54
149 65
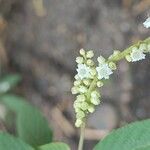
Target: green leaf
144 148
54 146
8 82
131 137
32 127
8 142
13 102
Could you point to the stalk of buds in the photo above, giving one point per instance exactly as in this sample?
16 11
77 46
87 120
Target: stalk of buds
90 77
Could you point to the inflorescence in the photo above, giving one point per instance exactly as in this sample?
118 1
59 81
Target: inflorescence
90 77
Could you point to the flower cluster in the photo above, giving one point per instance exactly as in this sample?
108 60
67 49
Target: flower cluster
88 78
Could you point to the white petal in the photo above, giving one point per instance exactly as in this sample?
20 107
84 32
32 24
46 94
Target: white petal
147 23
137 55
103 71
83 71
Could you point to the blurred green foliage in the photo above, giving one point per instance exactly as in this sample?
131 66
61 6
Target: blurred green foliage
31 127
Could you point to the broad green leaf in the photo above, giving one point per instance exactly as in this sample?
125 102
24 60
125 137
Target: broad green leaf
54 146
13 102
144 148
8 82
8 142
32 127
131 137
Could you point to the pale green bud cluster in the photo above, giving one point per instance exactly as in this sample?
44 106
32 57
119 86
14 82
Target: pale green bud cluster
90 77
86 82
85 74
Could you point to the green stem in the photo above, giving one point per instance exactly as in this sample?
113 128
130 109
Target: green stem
126 51
115 58
81 141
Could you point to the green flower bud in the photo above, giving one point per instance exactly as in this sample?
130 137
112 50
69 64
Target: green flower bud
100 83
86 82
101 59
76 104
81 98
74 90
77 109
78 123
84 106
90 62
79 60
112 66
128 58
115 53
82 52
95 94
77 77
89 54
91 108
80 114
82 89
95 101
77 82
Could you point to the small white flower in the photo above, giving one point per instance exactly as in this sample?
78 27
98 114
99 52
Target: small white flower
83 71
147 23
103 71
137 54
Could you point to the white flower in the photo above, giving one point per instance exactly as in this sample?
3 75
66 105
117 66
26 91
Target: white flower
83 71
103 71
137 54
147 23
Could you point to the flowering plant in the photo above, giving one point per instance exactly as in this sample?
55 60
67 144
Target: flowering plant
90 77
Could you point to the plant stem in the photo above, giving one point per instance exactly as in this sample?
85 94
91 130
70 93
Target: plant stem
81 141
127 51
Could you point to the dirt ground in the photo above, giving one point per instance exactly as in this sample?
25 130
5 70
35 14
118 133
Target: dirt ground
41 39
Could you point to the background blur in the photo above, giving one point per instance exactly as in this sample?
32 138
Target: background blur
40 39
